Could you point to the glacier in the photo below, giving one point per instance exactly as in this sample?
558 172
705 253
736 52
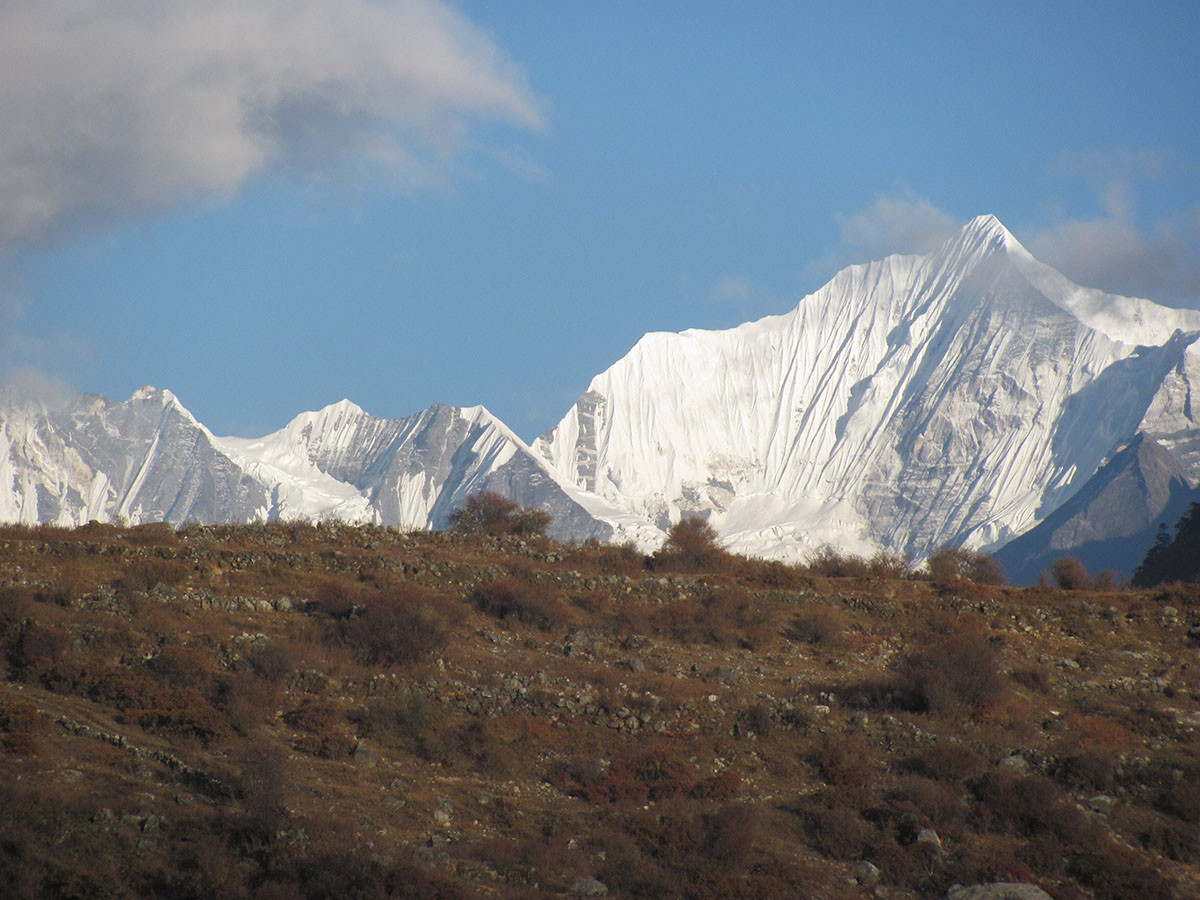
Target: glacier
954 398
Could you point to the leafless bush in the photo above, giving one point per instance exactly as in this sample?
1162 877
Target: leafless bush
1070 574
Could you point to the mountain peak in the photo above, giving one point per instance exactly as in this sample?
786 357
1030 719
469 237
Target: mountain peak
343 407
986 233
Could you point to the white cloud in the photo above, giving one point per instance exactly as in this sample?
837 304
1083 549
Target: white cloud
1111 250
1110 253
900 222
111 108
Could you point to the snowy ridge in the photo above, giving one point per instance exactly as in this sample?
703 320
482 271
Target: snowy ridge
919 400
954 398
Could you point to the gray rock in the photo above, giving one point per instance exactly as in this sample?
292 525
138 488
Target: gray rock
999 890
866 873
364 756
929 836
590 887
1101 803
1015 762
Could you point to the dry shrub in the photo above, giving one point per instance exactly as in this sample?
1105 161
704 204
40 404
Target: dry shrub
950 566
833 825
486 512
324 729
530 601
886 565
843 760
819 624
956 673
833 564
692 545
720 615
400 625
1070 574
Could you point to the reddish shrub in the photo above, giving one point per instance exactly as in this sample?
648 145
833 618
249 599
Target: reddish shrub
1070 575
401 625
948 567
324 726
487 512
955 673
819 624
692 545
832 564
530 601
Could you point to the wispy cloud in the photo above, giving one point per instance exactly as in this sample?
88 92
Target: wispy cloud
730 289
1111 250
112 108
897 222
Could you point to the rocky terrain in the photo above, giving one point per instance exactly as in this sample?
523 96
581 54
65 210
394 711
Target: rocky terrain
298 710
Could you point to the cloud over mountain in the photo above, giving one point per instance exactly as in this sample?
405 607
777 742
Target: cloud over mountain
121 107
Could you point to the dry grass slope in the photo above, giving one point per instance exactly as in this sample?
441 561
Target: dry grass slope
300 711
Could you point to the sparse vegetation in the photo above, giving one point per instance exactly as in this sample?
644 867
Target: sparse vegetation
297 710
487 512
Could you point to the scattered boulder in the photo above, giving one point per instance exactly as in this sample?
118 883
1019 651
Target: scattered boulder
364 756
999 890
590 887
866 873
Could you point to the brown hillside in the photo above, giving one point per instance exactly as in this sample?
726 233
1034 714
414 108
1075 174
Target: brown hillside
328 711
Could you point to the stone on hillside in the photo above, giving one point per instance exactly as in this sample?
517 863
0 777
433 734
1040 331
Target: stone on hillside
590 887
866 873
999 890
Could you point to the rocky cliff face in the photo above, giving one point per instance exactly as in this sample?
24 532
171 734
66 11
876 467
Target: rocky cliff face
1111 522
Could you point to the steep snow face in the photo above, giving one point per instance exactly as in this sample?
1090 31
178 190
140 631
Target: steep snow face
916 401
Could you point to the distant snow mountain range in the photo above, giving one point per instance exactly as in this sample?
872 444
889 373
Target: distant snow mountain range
960 398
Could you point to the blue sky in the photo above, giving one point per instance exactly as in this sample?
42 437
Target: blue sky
269 206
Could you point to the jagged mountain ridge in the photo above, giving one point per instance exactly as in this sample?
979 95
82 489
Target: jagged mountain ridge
954 398
149 459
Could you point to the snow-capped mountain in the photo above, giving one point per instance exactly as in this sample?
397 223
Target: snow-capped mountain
953 398
410 472
148 459
144 460
959 397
